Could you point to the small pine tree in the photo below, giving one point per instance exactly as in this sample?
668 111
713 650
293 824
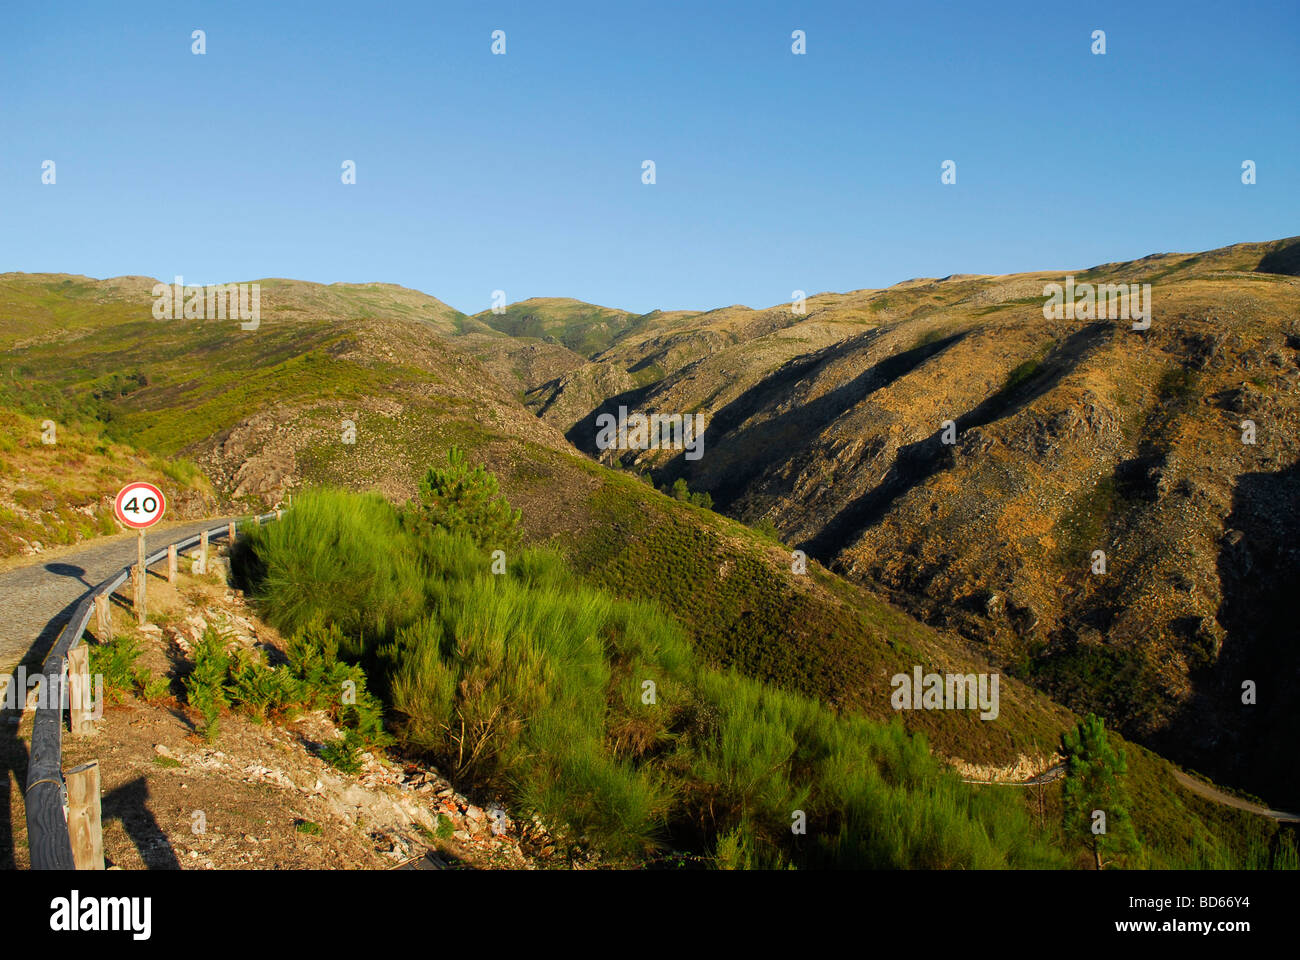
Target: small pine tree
679 489
464 500
1094 780
702 499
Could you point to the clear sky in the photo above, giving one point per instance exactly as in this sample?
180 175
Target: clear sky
523 172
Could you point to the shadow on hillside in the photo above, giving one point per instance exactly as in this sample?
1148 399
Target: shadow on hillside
1252 746
792 432
1285 260
583 433
917 462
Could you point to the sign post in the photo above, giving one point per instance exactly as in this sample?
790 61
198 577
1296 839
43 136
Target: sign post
139 506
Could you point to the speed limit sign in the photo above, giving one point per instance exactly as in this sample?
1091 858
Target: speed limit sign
139 505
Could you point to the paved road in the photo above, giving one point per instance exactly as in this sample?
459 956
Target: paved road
31 595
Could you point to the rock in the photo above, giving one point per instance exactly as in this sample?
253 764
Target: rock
162 750
993 605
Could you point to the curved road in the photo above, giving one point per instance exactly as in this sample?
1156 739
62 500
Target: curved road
1191 783
1218 796
38 599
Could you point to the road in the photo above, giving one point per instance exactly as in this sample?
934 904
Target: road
1191 783
1218 796
38 599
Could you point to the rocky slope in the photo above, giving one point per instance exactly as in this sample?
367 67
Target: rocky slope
1070 436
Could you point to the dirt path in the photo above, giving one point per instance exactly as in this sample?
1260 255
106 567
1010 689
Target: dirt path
37 599
1218 796
1191 783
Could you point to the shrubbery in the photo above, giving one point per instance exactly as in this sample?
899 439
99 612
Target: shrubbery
594 713
312 679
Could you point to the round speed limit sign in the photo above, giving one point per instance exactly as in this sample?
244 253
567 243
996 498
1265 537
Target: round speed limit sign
139 505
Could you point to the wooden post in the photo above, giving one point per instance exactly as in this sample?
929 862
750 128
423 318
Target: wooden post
103 619
278 513
80 702
230 533
171 563
140 577
84 829
135 587
203 552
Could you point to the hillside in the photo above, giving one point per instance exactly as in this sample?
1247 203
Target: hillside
57 484
261 412
807 414
1072 436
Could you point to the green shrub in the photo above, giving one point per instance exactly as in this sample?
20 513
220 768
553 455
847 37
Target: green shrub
115 662
152 689
594 713
205 686
335 558
459 499
344 754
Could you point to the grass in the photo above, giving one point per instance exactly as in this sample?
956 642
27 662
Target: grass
533 683
1178 384
60 493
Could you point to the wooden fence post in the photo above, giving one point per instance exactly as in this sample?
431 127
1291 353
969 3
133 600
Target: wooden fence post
171 563
203 552
80 704
103 619
84 828
140 578
135 587
230 533
278 514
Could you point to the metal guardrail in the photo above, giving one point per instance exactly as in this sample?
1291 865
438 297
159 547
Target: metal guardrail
48 840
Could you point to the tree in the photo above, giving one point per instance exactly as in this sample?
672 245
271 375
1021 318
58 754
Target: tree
464 500
1095 799
680 491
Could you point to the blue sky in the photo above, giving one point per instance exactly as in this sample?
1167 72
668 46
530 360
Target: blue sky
522 172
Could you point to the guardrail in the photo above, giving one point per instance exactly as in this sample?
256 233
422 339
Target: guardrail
48 839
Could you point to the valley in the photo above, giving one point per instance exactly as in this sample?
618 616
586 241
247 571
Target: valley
1068 504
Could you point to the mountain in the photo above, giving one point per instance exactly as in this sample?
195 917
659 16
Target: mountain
1071 436
823 423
